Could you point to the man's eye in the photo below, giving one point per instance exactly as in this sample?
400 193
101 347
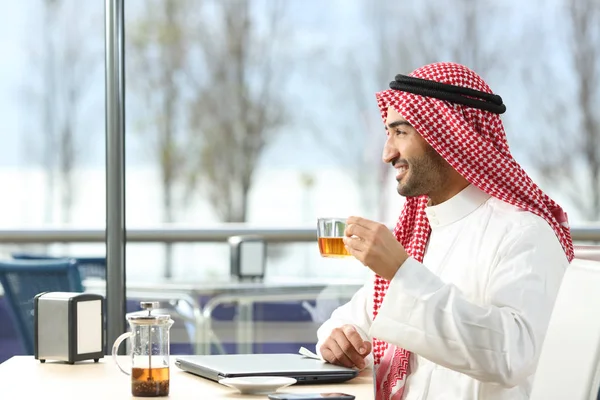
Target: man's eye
398 132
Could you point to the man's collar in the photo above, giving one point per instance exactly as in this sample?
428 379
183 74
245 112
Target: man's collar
456 208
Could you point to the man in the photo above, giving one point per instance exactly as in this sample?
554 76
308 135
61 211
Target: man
464 287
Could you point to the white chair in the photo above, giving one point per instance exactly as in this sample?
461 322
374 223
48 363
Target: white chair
587 253
570 357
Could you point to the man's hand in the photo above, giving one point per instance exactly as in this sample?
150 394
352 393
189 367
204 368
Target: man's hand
375 246
346 347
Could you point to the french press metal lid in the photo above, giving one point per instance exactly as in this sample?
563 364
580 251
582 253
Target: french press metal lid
149 319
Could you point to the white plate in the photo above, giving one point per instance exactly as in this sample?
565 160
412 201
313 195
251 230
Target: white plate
257 384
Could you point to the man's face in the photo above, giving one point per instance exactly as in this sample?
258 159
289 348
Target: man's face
419 168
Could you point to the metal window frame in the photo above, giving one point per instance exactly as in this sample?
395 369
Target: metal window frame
115 168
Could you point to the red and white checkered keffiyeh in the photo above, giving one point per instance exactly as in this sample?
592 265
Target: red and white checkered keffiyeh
474 143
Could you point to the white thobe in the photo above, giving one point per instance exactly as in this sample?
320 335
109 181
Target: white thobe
475 312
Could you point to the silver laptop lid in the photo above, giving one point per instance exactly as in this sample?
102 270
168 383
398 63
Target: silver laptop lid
262 364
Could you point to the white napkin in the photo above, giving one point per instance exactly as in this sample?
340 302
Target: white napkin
307 353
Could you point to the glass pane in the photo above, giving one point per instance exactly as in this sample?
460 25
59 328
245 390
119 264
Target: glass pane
51 146
262 114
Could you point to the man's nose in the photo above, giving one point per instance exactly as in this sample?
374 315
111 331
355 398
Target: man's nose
390 152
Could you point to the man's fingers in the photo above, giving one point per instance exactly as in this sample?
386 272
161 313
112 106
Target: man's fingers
356 230
346 347
368 348
334 354
340 336
362 222
354 243
355 339
328 354
340 355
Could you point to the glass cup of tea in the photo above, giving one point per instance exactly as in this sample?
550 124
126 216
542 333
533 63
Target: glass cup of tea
330 233
149 352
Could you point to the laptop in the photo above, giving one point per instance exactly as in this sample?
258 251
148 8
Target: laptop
297 366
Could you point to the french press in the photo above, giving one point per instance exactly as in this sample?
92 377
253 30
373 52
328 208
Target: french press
149 351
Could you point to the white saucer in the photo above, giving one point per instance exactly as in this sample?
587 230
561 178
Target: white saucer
257 384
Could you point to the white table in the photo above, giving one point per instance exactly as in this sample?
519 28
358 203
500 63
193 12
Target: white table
240 293
26 378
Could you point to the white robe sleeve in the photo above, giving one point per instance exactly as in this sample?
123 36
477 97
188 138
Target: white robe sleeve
357 312
499 342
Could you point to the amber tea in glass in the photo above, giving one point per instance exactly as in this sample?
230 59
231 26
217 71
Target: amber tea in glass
330 232
150 344
150 382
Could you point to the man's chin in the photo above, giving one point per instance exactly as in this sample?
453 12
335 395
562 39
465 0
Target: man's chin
402 190
406 191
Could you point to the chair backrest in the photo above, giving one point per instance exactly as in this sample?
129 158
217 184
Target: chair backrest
22 280
570 357
89 267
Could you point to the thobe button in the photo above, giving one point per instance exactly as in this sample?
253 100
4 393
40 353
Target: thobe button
434 221
432 213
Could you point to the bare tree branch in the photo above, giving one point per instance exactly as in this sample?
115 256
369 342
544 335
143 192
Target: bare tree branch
65 70
157 59
236 109
567 152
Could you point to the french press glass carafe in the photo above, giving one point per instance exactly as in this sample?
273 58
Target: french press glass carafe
149 352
